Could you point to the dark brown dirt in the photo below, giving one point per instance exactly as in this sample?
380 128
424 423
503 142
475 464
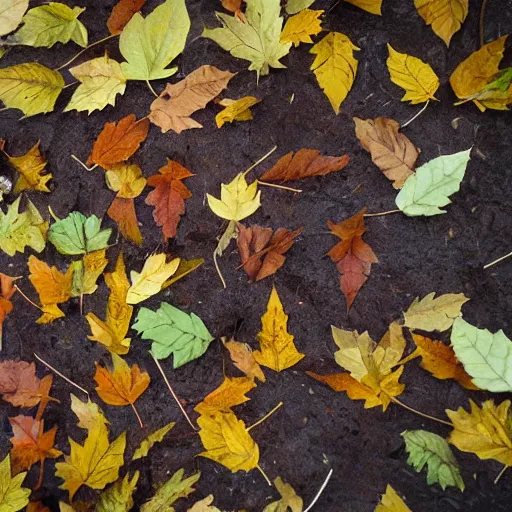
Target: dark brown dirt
317 429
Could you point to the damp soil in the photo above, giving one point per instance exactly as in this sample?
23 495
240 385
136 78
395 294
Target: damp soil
316 429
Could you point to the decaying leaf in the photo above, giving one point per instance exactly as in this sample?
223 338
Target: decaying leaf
122 13
335 67
392 152
235 110
19 384
391 502
11 14
243 358
353 256
262 251
173 108
151 440
304 164
13 496
88 413
119 496
7 290
289 499
299 28
277 349
414 76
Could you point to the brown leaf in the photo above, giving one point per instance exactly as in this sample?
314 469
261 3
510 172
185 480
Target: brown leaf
169 196
122 212
7 290
172 110
304 164
243 358
19 384
37 506
122 13
352 256
261 251
392 152
117 143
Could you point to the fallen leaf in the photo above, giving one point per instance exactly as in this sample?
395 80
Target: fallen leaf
119 496
261 252
122 13
425 192
353 256
169 196
150 44
11 15
232 5
256 38
122 212
88 413
173 108
295 6
37 506
371 6
125 179
427 448
173 332
7 290
304 164
235 110
118 142
277 349
19 384
414 76
204 505
13 496
392 152
86 272
243 358
485 431
335 67
299 28
151 440
184 268
391 502
289 499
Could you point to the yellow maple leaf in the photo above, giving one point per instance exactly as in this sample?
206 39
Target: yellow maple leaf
88 413
243 358
301 27
277 349
371 6
13 496
126 179
235 110
413 75
391 502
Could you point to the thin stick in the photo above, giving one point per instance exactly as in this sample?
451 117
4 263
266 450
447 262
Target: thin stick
258 162
83 165
137 414
265 417
321 490
84 50
281 187
150 87
498 260
71 84
264 475
217 268
27 299
61 375
415 116
500 474
422 414
482 20
381 213
172 392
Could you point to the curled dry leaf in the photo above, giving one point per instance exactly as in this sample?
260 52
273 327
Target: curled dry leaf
235 110
299 28
122 13
243 358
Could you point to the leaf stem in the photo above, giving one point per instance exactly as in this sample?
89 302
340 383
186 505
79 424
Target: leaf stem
157 362
258 162
137 414
150 87
92 45
416 115
320 491
281 187
265 417
389 212
217 268
27 299
264 475
52 213
422 414
500 474
498 260
482 21
83 165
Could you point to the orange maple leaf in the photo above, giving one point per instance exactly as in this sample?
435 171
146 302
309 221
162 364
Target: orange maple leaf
7 290
122 13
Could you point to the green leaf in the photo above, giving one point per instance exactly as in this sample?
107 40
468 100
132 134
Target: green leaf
426 191
173 332
18 230
151 440
13 497
78 234
50 24
427 448
119 496
170 492
486 357
101 81
31 87
11 13
256 39
295 6
149 45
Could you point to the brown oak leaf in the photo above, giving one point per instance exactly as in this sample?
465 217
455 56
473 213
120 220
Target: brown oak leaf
122 13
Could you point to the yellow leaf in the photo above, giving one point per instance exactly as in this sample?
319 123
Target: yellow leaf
88 413
126 179
227 441
485 431
289 499
13 496
204 505
371 6
51 312
414 76
87 271
335 67
151 440
113 330
237 199
236 110
391 502
184 268
11 15
151 279
243 358
445 16
277 348
95 464
301 27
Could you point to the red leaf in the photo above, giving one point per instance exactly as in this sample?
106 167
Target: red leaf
122 13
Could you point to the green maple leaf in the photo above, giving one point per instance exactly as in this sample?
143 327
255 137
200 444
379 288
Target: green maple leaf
119 496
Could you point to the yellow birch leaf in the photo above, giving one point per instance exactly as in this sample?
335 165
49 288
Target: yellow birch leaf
151 440
243 358
277 349
151 279
391 502
413 75
299 28
335 67
126 179
371 6
236 110
11 13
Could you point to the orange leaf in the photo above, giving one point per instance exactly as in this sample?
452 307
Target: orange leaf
169 196
263 245
122 211
352 256
19 384
117 143
122 13
304 164
37 506
7 290
243 358
232 5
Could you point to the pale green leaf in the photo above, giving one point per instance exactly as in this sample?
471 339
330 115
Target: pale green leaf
429 189
151 440
256 39
31 87
427 448
49 24
149 45
119 496
11 13
13 497
173 332
295 6
78 234
486 357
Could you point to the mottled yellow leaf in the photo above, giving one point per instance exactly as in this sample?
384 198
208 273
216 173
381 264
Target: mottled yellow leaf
236 110
87 271
151 440
243 358
126 179
391 502
30 166
371 6
299 28
88 413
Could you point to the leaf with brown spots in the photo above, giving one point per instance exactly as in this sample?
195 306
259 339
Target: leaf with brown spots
122 13
243 358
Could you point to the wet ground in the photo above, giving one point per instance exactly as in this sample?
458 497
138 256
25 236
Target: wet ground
316 429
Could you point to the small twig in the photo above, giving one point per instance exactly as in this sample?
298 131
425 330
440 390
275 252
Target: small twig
83 165
61 375
84 50
27 299
500 474
381 213
281 187
258 162
264 475
265 417
482 20
138 415
320 491
415 116
150 87
497 261
157 362
71 84
422 414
